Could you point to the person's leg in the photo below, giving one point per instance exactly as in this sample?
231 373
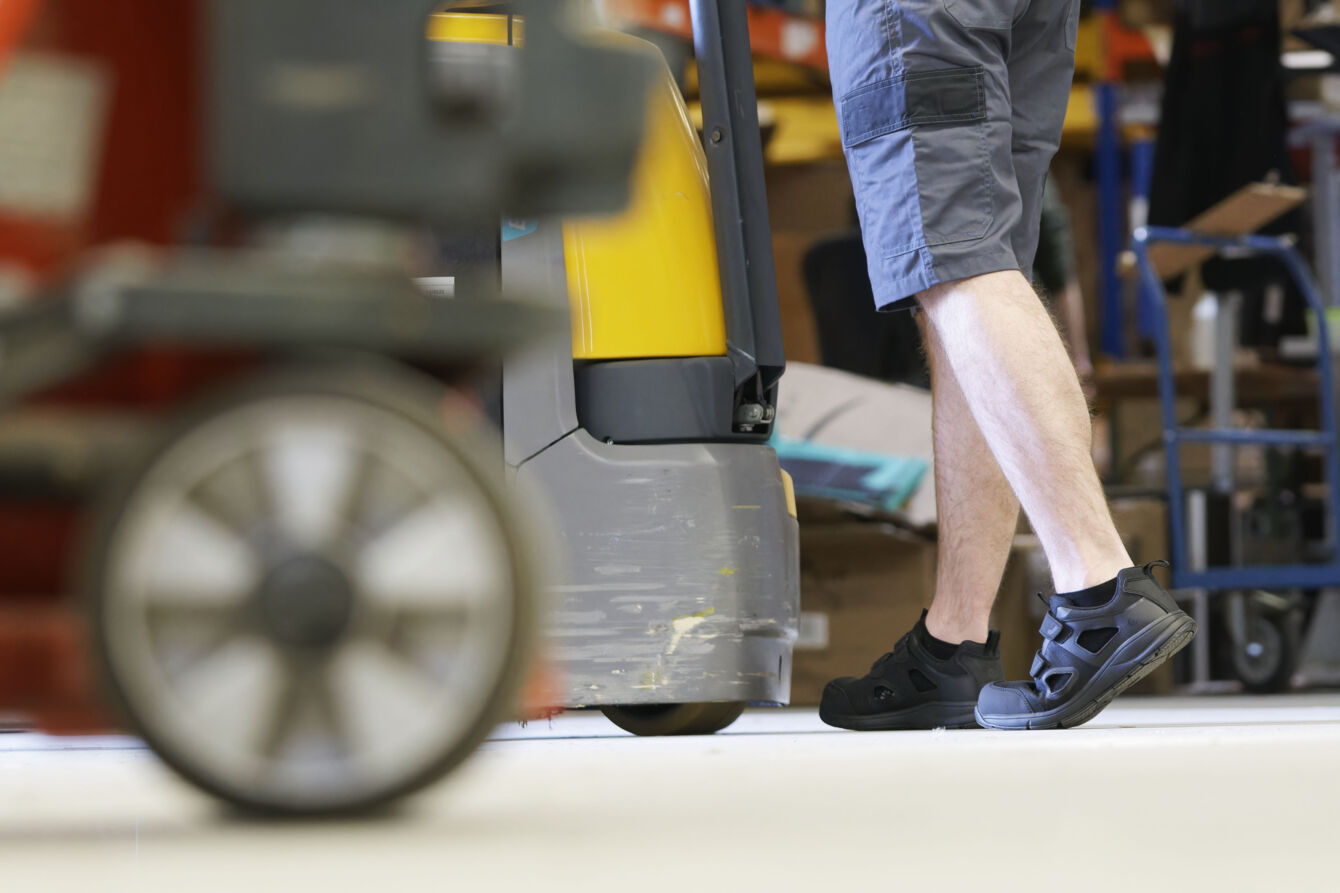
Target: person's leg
934 674
1004 347
936 135
1023 392
923 106
1110 623
977 511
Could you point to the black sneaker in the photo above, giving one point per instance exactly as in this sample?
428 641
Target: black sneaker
910 688
1090 655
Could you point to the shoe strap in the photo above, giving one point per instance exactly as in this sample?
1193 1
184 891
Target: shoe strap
1039 664
1051 627
1043 673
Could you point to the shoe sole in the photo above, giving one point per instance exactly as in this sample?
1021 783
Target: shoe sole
1172 634
939 715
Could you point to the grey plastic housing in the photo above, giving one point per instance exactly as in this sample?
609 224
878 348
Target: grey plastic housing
337 106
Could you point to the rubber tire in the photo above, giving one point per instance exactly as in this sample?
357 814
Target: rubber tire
1280 635
653 720
389 386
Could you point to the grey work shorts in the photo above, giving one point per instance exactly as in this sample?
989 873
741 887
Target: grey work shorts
950 112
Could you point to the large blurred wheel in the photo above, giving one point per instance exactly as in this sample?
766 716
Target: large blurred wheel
674 719
311 599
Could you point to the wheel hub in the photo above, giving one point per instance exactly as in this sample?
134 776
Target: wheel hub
305 602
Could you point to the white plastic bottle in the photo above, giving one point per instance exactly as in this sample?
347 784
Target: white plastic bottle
1201 337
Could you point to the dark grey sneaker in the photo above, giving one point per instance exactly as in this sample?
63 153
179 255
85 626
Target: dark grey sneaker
1090 655
910 688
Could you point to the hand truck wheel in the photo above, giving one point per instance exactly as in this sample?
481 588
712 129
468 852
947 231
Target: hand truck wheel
1263 644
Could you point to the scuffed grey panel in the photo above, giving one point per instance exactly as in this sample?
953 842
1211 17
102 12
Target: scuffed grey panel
682 581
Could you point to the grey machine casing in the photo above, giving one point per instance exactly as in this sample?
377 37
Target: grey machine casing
679 560
682 559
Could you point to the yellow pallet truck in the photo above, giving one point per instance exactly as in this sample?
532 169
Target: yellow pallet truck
646 425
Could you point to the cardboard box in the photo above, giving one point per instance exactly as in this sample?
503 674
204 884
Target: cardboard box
864 584
840 409
800 335
806 203
1018 610
1143 525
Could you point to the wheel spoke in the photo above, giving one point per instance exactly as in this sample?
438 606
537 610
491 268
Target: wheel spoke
423 640
206 499
320 471
186 633
350 514
186 557
392 701
443 551
396 503
237 498
261 486
331 715
393 622
281 720
307 708
226 693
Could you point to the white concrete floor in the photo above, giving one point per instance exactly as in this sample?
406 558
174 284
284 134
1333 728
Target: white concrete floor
1224 793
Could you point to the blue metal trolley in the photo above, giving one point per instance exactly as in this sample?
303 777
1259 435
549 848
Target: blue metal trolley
1189 574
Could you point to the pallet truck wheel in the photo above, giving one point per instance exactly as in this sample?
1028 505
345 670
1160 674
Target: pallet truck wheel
674 719
310 599
1265 660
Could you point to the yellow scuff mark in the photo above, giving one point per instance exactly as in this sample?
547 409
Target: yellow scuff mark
728 572
683 625
652 679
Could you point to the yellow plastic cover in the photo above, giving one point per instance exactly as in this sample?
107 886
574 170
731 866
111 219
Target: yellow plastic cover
470 27
644 283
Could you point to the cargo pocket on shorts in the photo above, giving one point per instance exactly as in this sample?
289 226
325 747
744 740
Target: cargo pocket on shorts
919 152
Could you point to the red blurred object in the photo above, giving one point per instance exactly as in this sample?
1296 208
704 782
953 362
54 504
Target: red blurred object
148 178
14 18
157 378
45 671
36 544
1122 46
542 690
147 175
773 34
145 188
